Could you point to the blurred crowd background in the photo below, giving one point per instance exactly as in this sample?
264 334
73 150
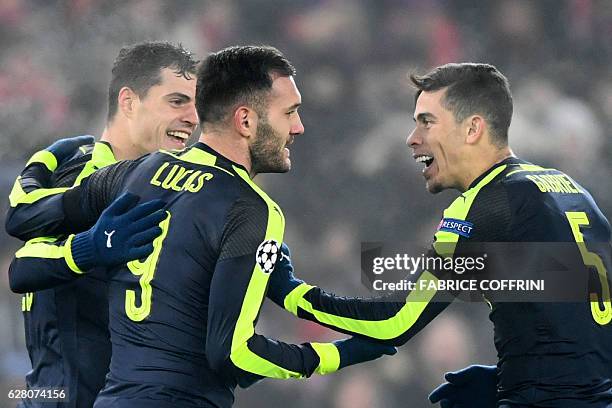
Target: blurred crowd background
353 178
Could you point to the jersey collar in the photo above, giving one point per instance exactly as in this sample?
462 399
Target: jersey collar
507 161
102 154
222 161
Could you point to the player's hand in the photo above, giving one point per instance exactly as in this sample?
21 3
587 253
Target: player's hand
357 350
282 281
124 232
65 148
474 387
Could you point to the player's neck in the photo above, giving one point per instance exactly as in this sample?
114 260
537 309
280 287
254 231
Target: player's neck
483 163
232 148
115 134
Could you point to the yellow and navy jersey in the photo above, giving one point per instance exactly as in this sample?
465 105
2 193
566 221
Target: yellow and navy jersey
550 353
66 320
513 201
182 321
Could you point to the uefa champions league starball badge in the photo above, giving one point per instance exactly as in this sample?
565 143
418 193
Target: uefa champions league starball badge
267 255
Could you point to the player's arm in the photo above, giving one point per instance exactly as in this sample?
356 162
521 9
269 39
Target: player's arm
43 263
397 322
34 203
80 207
237 292
382 319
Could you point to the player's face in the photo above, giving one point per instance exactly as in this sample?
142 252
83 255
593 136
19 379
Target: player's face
166 116
437 142
275 132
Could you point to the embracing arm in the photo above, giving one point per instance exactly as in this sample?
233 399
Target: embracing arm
47 262
35 204
43 263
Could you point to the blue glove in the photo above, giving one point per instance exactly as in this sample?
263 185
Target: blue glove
472 387
357 350
124 232
282 281
65 148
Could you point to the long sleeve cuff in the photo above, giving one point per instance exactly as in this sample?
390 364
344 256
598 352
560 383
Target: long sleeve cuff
80 252
329 357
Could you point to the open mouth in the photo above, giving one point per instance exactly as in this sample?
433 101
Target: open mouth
178 136
427 160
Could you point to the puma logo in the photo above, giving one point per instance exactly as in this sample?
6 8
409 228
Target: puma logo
108 238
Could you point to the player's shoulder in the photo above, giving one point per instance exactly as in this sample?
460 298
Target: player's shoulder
69 169
195 159
200 169
498 194
80 156
100 153
525 180
252 200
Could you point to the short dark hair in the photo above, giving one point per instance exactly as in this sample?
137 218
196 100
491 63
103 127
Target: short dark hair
237 75
139 66
472 88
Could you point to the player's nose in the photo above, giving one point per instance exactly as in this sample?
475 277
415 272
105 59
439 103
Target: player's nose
413 139
297 128
190 117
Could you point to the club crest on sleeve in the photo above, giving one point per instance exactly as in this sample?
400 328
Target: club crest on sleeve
267 254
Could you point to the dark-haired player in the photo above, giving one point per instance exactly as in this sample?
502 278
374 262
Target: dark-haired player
463 112
150 106
182 321
550 354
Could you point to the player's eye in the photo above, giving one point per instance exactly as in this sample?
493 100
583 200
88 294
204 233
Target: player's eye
426 123
176 102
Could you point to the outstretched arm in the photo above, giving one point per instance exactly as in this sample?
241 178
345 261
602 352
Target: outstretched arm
380 319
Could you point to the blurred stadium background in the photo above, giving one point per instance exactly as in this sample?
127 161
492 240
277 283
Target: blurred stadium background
353 178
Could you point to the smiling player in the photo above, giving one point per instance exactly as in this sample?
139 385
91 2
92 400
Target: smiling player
150 106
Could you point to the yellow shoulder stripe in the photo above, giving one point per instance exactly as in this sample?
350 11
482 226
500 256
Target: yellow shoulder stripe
198 156
240 354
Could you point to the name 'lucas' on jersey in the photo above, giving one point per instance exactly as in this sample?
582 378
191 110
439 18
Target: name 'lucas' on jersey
178 178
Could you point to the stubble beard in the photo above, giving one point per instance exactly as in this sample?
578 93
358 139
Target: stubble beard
266 154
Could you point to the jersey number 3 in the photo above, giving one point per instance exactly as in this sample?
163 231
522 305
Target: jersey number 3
145 270
601 316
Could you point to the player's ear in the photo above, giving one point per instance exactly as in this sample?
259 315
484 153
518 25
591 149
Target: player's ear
475 127
126 101
245 121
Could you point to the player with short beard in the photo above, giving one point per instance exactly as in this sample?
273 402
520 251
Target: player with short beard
182 322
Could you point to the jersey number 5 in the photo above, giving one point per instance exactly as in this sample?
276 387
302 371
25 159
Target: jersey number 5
146 271
601 316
